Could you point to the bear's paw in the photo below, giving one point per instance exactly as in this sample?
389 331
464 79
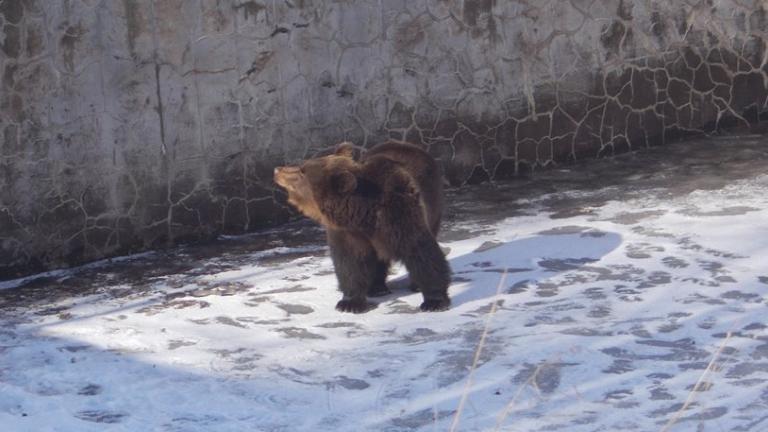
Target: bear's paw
353 305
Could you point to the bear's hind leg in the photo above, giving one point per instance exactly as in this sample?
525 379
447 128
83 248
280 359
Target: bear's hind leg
430 272
378 286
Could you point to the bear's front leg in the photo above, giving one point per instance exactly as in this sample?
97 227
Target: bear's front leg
356 267
429 270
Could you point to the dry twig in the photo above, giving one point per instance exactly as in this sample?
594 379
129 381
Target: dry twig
478 351
697 387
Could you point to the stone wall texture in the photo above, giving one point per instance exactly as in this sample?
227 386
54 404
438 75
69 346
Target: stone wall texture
134 124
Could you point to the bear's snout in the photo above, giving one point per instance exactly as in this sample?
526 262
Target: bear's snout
287 170
286 175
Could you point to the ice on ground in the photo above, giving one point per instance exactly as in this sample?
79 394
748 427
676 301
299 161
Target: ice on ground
614 310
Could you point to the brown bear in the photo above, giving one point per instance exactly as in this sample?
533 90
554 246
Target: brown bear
384 207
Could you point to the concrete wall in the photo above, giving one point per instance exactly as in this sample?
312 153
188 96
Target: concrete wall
133 124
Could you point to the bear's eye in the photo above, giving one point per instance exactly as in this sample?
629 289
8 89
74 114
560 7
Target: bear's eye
301 170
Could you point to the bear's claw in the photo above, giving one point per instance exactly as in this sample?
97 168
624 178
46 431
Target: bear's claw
354 306
436 305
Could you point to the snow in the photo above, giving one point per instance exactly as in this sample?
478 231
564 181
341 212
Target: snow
605 320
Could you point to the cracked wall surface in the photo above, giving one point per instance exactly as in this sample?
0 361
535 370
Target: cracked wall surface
134 124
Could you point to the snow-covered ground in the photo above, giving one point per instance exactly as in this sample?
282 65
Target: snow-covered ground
642 311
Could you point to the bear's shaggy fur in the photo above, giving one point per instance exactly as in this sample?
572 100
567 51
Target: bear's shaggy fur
385 207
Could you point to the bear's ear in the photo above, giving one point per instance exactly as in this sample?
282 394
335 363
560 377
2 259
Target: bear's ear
346 149
344 182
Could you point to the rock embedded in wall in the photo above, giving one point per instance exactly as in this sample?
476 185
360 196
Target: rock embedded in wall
136 124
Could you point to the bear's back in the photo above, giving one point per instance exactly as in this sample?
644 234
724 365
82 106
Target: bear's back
423 168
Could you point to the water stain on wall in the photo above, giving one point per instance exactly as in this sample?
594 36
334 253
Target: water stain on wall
133 23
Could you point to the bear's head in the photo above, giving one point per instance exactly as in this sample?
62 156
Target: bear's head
320 183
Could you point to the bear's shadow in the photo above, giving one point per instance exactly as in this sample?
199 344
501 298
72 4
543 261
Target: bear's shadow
477 274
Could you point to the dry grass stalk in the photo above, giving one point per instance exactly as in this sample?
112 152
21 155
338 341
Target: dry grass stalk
531 381
478 351
692 395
